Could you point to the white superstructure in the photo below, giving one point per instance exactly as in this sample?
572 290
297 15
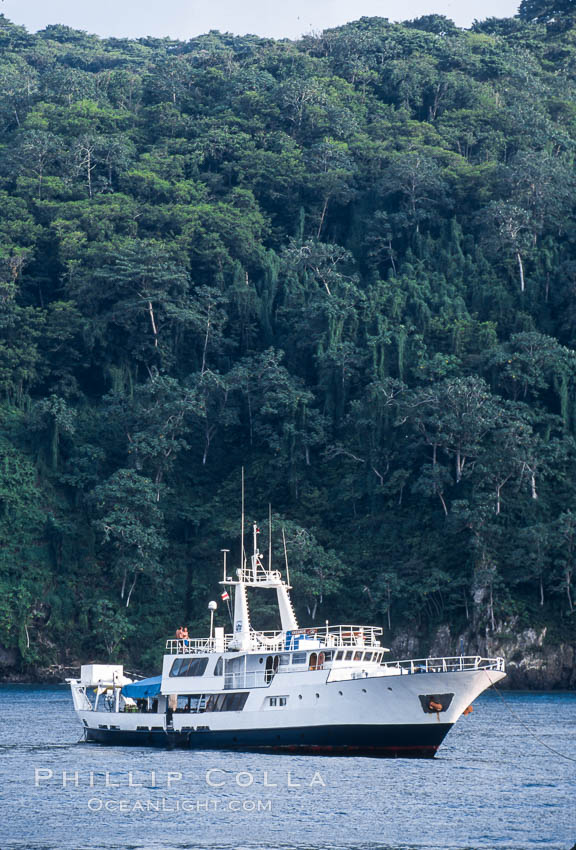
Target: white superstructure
327 689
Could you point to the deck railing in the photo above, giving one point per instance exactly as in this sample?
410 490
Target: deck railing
247 679
335 636
447 665
177 646
322 637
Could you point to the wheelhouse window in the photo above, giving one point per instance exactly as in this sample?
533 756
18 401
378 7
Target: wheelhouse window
189 667
299 658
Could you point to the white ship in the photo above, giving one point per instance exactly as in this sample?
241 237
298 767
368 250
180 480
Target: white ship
314 690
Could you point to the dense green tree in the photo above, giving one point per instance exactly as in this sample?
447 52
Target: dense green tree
547 11
345 264
130 525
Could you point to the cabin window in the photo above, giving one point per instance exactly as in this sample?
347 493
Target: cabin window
299 658
349 655
235 702
339 655
277 702
226 702
328 655
189 703
358 656
284 660
189 667
368 656
219 669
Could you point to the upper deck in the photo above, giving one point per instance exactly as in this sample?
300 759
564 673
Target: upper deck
322 637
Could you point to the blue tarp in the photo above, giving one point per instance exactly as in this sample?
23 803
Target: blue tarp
143 689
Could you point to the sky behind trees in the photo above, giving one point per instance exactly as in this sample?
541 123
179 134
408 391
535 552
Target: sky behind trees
186 18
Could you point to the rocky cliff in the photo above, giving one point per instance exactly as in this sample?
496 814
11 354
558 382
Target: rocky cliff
532 661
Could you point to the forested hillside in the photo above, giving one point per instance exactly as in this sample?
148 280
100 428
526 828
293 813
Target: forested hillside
347 264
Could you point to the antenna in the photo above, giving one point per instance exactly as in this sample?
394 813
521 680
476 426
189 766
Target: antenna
224 552
242 553
269 537
286 558
256 555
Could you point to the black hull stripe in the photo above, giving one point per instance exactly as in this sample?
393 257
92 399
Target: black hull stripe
408 741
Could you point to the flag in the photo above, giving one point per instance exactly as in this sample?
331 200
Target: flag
225 596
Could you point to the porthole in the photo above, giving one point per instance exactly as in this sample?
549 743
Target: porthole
341 694
363 690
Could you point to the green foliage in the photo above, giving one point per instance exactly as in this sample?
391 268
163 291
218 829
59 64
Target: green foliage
345 264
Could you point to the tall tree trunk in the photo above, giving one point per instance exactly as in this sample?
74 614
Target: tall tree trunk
132 586
153 322
521 270
206 339
323 216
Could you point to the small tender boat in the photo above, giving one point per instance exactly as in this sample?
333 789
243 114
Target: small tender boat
314 690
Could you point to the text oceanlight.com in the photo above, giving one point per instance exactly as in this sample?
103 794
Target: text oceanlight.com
174 804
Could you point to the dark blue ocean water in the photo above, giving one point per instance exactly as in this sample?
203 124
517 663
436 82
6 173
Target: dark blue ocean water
491 786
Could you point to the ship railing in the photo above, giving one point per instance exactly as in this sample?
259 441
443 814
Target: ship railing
272 641
178 646
326 637
247 679
453 664
335 636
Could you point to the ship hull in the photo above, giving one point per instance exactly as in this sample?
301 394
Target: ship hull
383 741
385 716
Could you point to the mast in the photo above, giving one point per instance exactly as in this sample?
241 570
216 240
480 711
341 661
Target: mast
257 575
255 552
269 537
242 555
286 558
